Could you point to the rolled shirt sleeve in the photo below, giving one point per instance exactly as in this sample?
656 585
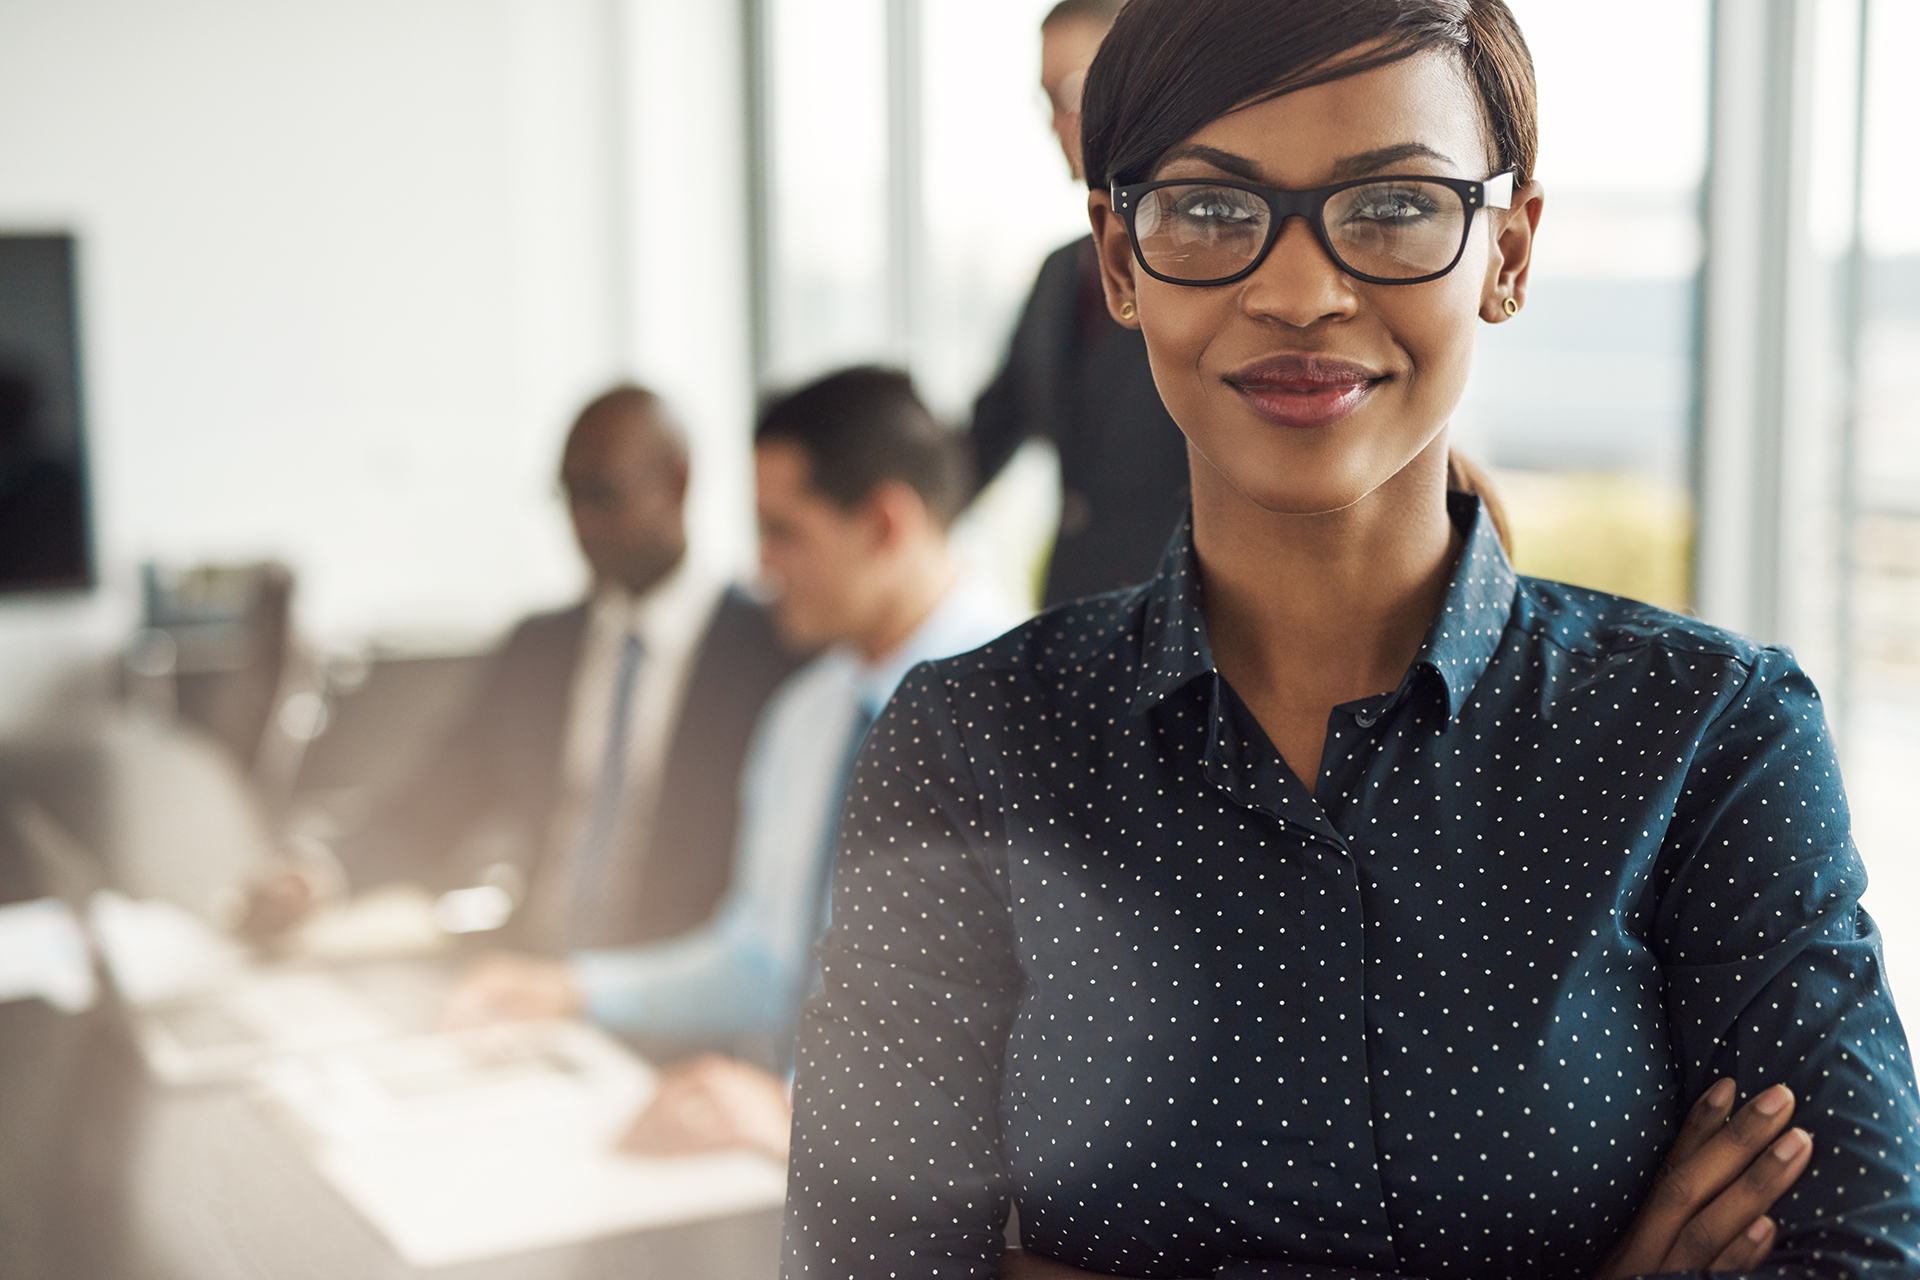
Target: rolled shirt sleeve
1774 973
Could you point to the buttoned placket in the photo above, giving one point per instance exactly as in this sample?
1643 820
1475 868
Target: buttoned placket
1307 828
1242 763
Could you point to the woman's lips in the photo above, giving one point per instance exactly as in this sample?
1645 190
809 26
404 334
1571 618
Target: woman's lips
1303 391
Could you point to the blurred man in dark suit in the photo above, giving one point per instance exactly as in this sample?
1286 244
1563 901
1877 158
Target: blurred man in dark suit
594 773
1076 378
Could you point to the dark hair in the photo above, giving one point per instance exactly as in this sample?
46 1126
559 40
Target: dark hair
863 426
1170 67
1101 11
1464 476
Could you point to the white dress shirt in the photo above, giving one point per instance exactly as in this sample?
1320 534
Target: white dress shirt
742 972
670 619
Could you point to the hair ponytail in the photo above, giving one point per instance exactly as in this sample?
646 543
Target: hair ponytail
1465 477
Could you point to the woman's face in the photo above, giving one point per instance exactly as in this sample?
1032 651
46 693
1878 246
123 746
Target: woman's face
1300 388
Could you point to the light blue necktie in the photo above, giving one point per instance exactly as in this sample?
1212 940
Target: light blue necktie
822 913
863 718
600 837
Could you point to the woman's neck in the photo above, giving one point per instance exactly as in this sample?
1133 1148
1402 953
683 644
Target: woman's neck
1307 612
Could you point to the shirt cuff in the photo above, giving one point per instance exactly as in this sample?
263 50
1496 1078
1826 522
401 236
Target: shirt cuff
608 993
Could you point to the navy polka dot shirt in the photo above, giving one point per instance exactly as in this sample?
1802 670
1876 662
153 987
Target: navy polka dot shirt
1097 953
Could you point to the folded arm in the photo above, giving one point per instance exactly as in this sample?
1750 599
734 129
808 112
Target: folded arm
1774 975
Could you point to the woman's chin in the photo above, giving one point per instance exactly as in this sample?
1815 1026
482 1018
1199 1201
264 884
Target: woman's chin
1295 482
1296 495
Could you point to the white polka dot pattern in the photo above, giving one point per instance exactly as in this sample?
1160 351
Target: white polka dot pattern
1097 952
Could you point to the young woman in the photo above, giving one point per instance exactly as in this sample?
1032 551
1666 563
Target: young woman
1338 902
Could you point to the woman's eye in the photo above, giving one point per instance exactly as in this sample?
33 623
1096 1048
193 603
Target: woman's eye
1399 207
1216 206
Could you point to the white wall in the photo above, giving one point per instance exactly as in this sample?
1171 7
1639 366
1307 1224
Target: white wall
349 266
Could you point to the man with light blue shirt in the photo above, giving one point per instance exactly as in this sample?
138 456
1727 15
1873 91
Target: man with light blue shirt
856 487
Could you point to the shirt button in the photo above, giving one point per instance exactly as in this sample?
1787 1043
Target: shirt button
1365 719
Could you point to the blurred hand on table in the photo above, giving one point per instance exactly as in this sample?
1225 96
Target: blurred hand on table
276 900
508 987
711 1103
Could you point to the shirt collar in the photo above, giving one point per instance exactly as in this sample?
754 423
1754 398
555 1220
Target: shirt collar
1459 644
665 615
970 614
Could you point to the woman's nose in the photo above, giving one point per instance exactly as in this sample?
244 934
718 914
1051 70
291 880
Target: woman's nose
1299 284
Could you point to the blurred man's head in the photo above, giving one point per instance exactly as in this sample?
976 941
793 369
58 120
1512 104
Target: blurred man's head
625 475
856 484
1070 35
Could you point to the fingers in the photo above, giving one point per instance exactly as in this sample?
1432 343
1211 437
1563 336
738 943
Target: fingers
1687 1186
1721 1224
1705 1120
1709 1159
1749 1249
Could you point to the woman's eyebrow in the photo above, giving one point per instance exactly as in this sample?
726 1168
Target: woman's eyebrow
1225 161
1354 166
1385 157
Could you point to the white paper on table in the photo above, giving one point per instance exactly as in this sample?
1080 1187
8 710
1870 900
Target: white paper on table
265 1016
204 1013
475 1145
157 950
44 953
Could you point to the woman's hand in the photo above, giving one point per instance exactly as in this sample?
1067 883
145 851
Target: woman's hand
1707 1209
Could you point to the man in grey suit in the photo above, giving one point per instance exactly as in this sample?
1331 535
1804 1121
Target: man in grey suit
1075 377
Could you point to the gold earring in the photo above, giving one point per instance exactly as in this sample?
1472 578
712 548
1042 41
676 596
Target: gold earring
1511 307
1126 310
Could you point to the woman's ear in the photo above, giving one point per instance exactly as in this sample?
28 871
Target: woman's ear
1111 242
1512 256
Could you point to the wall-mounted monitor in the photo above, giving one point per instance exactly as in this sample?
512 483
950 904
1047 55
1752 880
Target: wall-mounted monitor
45 538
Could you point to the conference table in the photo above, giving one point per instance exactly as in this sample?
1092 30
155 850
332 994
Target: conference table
107 1175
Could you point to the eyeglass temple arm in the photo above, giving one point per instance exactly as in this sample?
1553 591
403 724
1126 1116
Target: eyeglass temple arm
1497 191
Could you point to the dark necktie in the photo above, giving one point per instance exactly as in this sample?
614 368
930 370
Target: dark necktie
600 835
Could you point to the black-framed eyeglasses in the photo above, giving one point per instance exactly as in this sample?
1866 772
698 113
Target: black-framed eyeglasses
1386 230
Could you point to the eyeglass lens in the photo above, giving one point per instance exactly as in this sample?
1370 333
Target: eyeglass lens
1397 230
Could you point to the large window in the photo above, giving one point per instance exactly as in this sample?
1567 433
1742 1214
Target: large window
912 189
828 231
1878 327
1583 402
